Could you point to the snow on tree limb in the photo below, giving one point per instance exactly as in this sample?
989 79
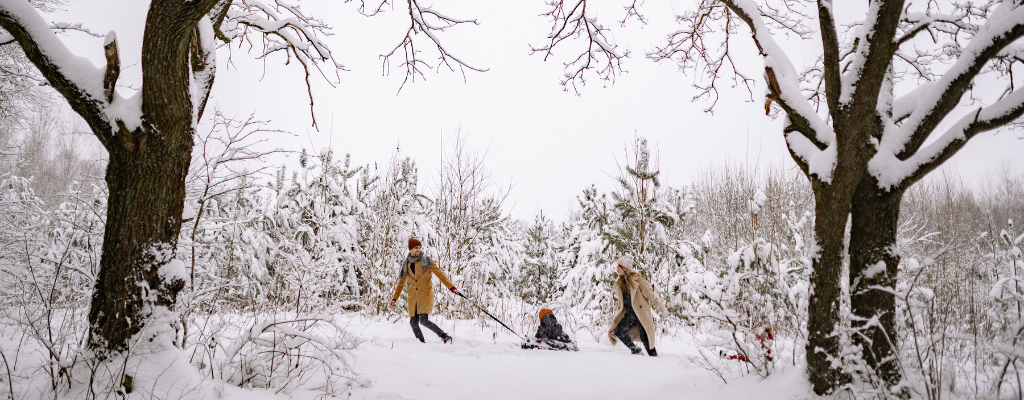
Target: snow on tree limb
74 77
204 64
943 96
830 46
785 89
892 172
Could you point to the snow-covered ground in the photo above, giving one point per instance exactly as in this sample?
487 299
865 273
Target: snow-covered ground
480 365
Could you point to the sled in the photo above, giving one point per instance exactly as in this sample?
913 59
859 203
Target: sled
548 344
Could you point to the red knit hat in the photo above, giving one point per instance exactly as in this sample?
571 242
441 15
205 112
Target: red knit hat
544 312
413 242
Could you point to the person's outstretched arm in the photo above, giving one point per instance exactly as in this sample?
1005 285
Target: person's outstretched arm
444 279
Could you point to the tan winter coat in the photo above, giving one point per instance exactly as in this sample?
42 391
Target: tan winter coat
643 299
421 291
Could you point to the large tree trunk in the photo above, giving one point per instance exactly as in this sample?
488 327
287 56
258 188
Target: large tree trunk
874 261
832 205
146 178
147 191
823 307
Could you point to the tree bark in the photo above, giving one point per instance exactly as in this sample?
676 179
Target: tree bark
146 181
832 205
824 298
147 192
875 219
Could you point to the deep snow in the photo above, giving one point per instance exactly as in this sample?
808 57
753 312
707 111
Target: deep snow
480 365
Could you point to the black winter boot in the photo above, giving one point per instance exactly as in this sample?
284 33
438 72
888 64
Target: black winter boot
652 352
633 349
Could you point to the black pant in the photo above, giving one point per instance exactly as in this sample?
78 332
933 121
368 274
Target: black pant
629 320
421 319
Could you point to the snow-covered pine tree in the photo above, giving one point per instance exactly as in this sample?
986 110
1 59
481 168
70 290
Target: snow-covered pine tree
538 278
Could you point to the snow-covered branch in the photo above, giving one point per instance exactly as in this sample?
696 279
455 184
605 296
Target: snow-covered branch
74 77
830 46
816 142
931 106
204 63
892 172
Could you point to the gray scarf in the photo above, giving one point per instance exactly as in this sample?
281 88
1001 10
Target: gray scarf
404 269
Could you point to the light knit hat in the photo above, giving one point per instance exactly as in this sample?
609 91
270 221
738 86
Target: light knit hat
625 261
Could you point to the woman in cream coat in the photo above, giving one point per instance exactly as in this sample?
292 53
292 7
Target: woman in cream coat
634 319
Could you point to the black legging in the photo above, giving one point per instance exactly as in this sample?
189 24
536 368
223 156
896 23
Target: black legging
629 320
422 319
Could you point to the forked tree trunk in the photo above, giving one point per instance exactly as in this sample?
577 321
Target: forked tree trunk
874 262
832 206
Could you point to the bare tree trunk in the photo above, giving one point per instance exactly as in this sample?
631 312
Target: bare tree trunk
147 191
823 308
146 182
875 219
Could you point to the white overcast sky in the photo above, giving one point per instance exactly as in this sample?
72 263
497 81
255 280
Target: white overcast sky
547 143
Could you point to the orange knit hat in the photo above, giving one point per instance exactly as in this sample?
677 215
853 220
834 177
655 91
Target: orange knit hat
413 242
544 312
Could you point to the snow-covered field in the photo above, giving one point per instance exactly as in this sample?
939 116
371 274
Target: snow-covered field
480 365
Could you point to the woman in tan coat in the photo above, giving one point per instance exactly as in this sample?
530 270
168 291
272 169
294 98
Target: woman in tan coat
634 319
417 271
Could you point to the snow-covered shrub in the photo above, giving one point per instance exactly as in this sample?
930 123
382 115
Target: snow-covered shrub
47 272
537 278
472 236
751 311
958 305
282 353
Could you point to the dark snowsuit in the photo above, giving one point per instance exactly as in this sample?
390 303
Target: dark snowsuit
550 336
550 329
630 320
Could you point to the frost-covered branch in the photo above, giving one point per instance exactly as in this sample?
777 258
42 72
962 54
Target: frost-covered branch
932 106
571 20
892 171
64 26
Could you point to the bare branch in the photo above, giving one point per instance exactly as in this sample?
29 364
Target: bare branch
570 20
281 27
428 22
